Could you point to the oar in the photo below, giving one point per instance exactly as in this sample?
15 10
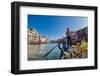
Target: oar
50 50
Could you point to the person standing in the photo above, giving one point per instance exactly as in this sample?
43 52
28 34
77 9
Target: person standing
68 35
65 45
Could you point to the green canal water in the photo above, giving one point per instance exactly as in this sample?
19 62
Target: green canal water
38 52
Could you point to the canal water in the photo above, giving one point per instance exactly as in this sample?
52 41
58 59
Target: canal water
38 52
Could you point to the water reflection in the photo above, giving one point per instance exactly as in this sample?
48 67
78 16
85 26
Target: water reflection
37 52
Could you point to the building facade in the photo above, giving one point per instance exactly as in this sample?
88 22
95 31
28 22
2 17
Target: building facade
78 35
34 37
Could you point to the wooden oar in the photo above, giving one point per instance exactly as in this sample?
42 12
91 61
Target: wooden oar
50 50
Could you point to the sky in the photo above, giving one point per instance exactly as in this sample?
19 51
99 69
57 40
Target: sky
54 27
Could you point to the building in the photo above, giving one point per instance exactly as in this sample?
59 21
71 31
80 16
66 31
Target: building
34 37
74 37
43 39
82 34
78 35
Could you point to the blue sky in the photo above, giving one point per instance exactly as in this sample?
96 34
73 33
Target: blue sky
54 27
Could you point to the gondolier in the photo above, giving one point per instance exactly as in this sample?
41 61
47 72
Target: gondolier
68 36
